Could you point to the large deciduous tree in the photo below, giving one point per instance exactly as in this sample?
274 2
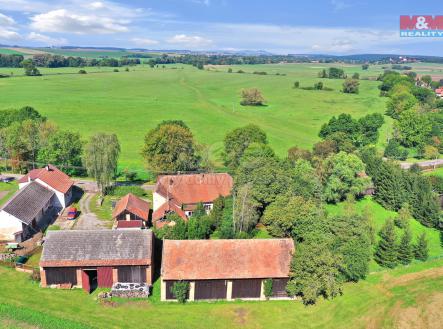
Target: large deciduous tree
101 158
170 147
238 140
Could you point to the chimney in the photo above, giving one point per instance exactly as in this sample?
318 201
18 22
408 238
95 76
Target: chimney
47 167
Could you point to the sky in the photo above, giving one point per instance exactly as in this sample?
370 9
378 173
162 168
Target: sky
278 26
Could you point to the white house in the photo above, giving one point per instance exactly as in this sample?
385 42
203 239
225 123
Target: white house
53 179
24 214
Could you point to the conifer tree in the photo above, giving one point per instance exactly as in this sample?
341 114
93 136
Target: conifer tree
386 252
421 248
405 249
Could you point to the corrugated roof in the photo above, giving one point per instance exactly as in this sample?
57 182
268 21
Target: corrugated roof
52 176
195 188
97 247
132 204
226 259
28 202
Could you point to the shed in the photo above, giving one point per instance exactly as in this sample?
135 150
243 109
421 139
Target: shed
131 208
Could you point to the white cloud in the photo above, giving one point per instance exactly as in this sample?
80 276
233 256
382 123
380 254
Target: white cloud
24 5
6 20
97 5
144 41
62 20
202 2
9 35
47 40
190 41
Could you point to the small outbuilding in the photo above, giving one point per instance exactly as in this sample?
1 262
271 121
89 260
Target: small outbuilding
226 269
131 212
97 258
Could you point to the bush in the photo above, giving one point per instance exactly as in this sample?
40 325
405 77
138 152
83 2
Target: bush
82 72
180 291
296 84
318 85
252 97
240 71
115 70
127 69
260 72
350 86
230 70
395 151
267 285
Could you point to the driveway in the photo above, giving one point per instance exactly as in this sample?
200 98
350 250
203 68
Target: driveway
428 164
88 220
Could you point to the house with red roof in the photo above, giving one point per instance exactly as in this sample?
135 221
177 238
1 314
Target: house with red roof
439 92
182 193
131 212
53 179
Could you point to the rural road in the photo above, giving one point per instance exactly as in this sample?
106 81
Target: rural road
88 220
427 163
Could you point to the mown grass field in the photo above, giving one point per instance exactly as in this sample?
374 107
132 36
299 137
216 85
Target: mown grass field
407 297
131 103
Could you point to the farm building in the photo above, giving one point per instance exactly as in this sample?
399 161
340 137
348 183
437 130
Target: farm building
226 269
182 193
97 258
27 212
131 212
53 179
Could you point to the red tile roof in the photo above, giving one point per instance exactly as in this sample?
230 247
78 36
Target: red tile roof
134 205
52 176
129 224
226 259
164 209
195 188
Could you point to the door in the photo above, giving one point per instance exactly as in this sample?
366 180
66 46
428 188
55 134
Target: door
210 289
85 282
104 277
248 288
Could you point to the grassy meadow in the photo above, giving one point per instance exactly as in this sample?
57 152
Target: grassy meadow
131 103
407 297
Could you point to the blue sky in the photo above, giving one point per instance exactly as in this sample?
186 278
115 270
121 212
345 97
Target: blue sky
280 26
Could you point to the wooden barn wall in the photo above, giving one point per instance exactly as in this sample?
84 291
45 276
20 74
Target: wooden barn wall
246 288
132 274
210 289
104 277
279 287
60 275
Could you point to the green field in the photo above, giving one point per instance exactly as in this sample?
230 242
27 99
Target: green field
131 103
5 51
388 299
88 53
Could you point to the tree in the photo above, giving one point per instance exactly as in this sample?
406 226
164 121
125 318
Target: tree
386 251
336 73
180 290
292 216
305 181
401 100
350 86
63 148
404 216
431 152
252 97
296 84
426 79
365 66
395 151
353 241
30 69
421 251
413 128
170 147
101 158
325 148
369 126
356 76
295 153
318 85
314 272
238 140
344 174
405 249
245 215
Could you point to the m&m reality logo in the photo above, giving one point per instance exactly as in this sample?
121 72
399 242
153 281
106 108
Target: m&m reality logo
421 26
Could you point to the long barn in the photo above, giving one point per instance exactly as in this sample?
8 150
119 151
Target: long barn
226 269
98 258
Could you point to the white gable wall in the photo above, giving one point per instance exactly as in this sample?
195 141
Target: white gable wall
9 225
158 200
60 197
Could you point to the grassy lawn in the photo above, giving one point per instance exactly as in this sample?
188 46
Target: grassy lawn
388 299
131 103
103 212
378 215
6 191
436 172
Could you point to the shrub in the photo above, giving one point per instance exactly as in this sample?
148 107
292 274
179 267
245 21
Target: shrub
296 84
260 72
318 85
180 291
127 69
240 71
267 285
395 151
82 72
230 70
115 70
350 86
252 97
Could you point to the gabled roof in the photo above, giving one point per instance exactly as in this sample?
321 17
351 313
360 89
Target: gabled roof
27 202
194 188
50 175
165 209
226 259
97 247
132 204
